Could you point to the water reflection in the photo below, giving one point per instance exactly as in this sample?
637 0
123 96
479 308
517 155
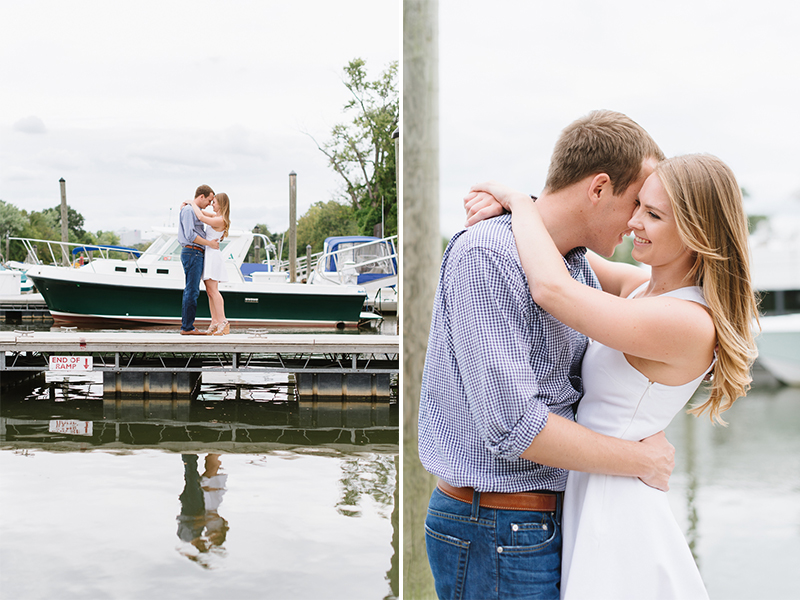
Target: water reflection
199 524
735 492
691 487
305 487
229 425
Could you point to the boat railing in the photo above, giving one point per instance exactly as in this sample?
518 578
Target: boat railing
344 267
317 261
60 254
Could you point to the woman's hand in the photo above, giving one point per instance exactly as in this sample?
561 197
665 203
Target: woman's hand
489 200
480 206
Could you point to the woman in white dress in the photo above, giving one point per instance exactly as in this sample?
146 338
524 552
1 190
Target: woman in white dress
654 338
218 222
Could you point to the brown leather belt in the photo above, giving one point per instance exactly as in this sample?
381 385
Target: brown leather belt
538 501
193 247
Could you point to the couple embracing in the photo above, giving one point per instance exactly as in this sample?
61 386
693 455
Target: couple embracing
203 223
551 372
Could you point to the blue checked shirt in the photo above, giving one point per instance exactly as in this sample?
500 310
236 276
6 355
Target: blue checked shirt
497 364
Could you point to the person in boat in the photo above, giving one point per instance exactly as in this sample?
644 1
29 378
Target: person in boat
655 337
191 236
501 377
217 221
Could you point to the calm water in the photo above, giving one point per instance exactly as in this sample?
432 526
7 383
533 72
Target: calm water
242 493
736 491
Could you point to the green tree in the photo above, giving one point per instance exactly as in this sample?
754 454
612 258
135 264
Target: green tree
12 222
322 220
102 238
362 151
46 225
75 220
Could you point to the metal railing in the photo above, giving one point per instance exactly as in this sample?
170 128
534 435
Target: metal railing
319 259
59 254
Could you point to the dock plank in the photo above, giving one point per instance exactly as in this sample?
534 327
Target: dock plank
144 341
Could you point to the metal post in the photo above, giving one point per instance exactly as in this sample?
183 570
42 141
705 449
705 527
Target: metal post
308 262
292 226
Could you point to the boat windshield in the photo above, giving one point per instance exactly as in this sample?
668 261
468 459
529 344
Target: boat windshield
157 246
366 257
172 251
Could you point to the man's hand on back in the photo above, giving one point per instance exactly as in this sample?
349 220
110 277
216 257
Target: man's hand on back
662 454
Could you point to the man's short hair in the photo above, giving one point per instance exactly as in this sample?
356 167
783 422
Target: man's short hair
603 141
204 190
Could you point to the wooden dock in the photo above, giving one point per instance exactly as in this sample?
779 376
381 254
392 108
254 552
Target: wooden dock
168 364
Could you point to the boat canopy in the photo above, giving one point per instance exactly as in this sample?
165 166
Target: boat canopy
134 251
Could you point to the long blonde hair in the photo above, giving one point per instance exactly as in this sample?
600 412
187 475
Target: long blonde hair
711 222
224 210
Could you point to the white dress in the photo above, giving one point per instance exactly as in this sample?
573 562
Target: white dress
621 539
213 263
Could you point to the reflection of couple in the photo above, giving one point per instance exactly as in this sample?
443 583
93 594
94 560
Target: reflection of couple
202 259
199 522
517 299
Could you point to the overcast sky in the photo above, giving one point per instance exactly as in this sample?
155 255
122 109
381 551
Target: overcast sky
135 104
700 75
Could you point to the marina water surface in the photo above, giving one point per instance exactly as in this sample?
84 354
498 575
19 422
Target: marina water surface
241 492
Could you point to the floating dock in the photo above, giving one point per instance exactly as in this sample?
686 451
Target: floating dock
158 364
24 307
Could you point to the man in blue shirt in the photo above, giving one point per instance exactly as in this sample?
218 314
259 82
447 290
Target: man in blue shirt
191 236
501 378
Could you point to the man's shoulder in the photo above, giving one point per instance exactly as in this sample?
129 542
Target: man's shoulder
492 234
485 250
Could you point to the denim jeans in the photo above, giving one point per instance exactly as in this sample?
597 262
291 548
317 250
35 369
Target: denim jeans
485 553
192 261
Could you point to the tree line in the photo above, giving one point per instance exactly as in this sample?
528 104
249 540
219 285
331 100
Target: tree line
44 225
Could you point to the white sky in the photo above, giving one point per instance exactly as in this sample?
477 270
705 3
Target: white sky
718 76
135 104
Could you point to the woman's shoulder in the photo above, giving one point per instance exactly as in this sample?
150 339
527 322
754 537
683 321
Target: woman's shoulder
692 293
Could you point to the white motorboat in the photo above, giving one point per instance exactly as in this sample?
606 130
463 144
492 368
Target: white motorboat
121 286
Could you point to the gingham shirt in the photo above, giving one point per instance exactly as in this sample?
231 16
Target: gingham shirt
497 364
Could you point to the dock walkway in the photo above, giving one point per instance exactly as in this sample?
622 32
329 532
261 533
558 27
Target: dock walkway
168 363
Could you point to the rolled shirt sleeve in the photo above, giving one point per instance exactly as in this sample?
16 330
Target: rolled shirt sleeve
496 366
492 347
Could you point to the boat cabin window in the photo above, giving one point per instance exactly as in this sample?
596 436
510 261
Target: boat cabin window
779 302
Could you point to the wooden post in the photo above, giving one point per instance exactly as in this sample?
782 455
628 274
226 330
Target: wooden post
64 212
64 222
421 257
292 226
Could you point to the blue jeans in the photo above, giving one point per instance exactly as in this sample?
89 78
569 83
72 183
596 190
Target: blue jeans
485 553
192 261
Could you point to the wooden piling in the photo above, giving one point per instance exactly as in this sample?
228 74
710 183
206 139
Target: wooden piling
421 254
292 227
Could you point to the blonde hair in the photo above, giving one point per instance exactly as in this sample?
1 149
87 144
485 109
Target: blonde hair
224 210
711 222
603 141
